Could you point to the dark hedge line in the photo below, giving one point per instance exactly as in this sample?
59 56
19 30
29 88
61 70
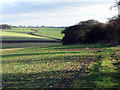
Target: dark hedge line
5 26
93 31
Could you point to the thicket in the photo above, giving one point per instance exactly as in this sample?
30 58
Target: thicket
93 31
113 31
5 26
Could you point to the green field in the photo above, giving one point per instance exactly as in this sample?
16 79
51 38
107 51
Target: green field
60 66
21 34
24 45
50 32
53 65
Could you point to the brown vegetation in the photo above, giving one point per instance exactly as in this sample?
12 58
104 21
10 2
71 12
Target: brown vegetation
93 31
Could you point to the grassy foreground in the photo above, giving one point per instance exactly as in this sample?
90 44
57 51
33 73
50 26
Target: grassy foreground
104 73
61 66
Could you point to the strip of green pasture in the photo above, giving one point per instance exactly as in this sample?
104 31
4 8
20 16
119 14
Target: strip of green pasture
58 45
51 32
20 34
25 45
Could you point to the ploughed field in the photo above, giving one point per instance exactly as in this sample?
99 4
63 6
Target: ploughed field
72 66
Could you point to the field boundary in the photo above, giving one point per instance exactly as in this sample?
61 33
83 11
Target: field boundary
31 41
35 41
32 33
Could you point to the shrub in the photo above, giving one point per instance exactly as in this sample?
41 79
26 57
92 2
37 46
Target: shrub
113 30
92 31
81 33
96 34
5 26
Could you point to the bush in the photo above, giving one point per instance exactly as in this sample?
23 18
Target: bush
92 31
5 26
73 34
96 34
81 33
113 30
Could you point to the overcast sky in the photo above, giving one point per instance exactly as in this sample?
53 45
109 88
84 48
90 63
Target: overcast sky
54 12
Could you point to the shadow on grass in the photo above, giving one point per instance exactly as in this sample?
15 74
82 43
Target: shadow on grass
78 46
29 54
62 78
97 80
43 79
30 44
61 57
10 38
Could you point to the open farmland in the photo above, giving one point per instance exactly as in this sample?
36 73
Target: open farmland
21 34
60 66
64 45
53 65
50 32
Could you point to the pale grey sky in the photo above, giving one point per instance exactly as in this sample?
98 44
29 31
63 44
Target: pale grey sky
54 12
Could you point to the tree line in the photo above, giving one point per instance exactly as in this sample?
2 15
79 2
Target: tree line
5 26
93 31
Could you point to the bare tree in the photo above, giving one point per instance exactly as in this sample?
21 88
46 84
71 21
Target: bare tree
117 5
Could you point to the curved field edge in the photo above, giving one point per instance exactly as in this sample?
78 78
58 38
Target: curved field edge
50 32
20 34
33 33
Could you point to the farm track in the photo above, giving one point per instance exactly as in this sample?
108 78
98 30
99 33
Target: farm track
38 41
